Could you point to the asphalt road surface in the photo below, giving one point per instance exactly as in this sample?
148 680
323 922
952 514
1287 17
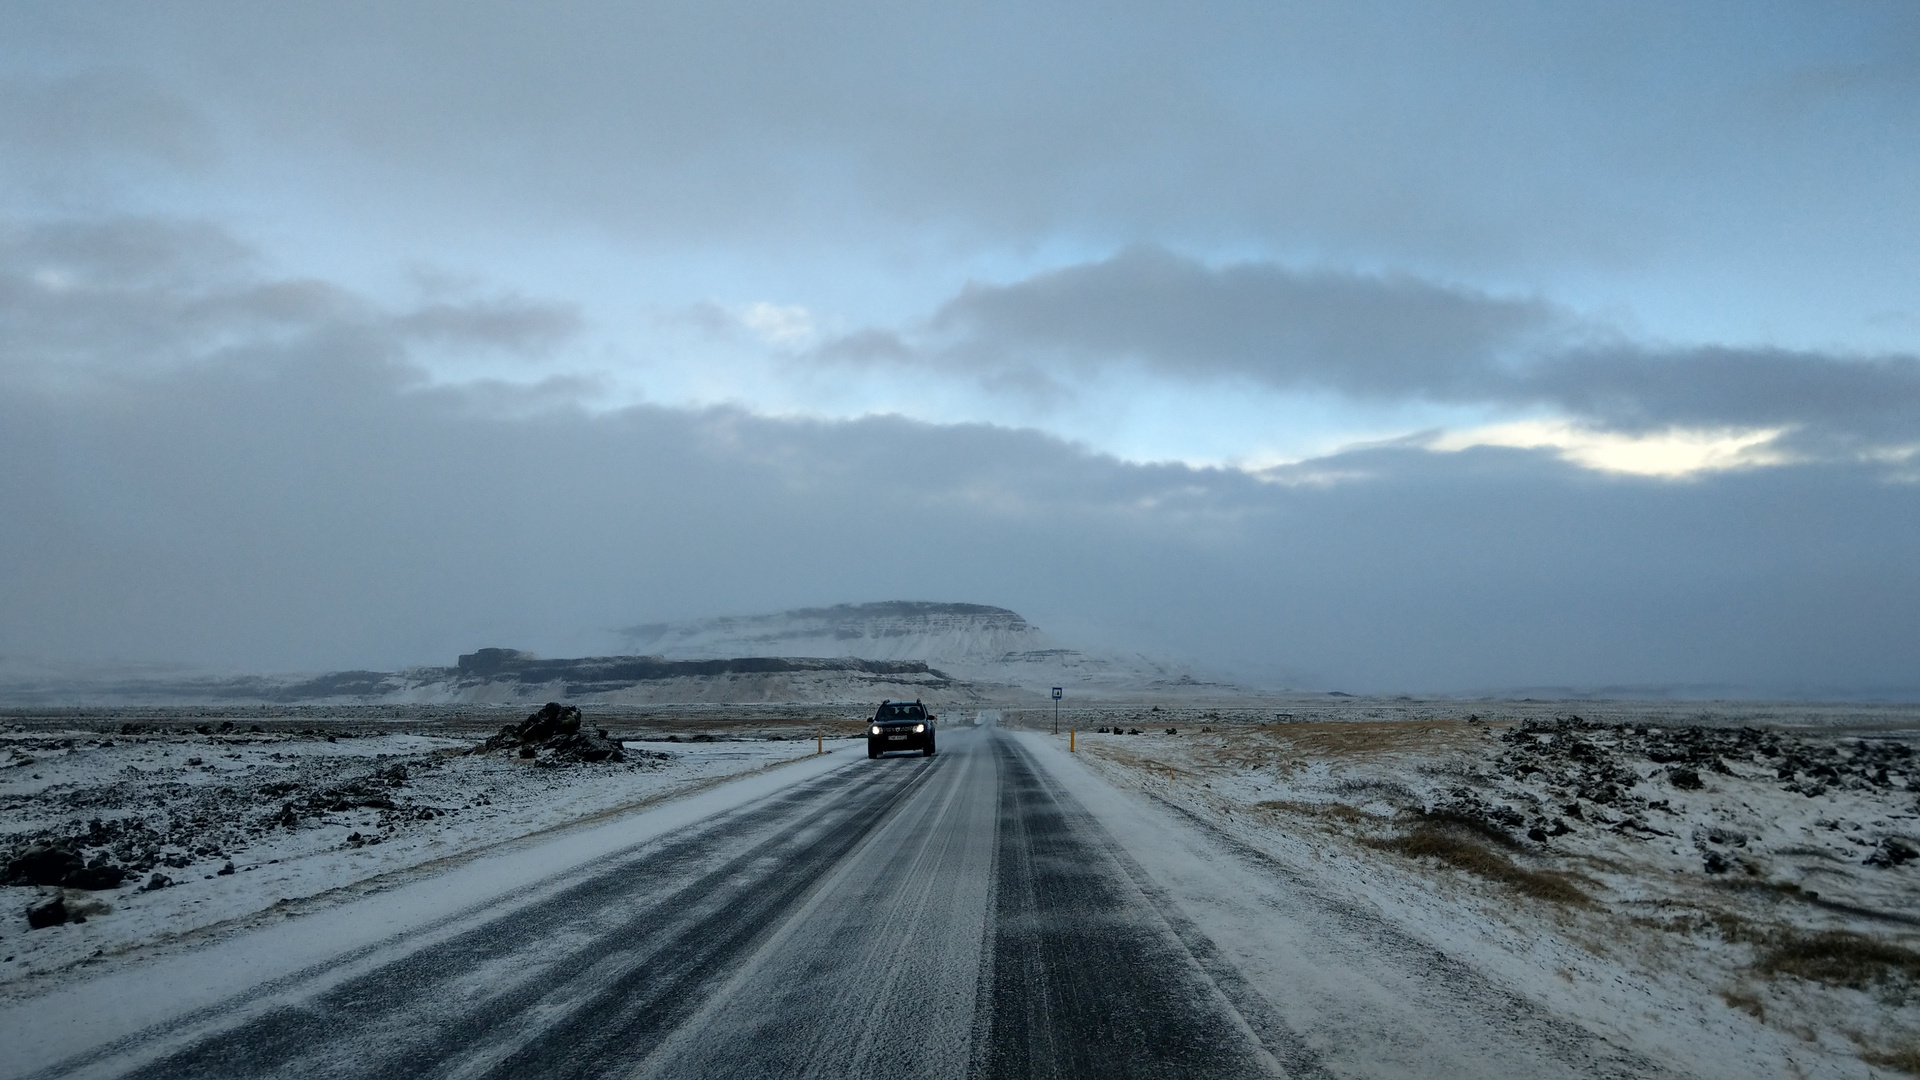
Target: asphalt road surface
954 916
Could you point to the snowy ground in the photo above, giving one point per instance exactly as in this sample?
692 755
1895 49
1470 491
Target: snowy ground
265 815
1703 887
1719 891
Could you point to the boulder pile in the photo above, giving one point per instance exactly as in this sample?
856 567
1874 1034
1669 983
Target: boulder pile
555 729
52 864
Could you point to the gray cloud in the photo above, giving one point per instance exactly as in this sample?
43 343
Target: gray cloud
1385 337
112 112
322 512
1839 400
1368 335
513 323
299 498
122 295
1479 134
210 459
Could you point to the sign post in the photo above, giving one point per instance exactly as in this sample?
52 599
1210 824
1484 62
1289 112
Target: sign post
1056 710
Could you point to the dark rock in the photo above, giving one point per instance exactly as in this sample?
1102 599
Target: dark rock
1537 834
580 746
225 870
1717 863
1892 852
556 727
156 882
1684 778
1173 731
552 719
51 913
43 864
98 874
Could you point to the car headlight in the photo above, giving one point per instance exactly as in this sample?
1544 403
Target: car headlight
875 730
918 728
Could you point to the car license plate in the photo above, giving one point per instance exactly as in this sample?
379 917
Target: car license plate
896 736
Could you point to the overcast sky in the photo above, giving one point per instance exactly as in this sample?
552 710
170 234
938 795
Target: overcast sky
1373 347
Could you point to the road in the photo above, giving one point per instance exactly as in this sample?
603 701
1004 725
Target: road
962 915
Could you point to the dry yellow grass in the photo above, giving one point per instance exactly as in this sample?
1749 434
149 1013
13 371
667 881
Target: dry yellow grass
1746 1003
1286 747
1428 841
1904 1058
1841 958
1289 745
1313 809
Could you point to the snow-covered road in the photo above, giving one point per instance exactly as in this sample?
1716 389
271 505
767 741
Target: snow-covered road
993 911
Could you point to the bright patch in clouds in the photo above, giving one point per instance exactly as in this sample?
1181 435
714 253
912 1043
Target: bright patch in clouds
779 324
1672 453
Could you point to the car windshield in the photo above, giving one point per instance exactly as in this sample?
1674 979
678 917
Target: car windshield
901 712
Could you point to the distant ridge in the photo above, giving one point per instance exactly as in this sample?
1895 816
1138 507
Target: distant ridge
843 653
889 630
499 676
976 642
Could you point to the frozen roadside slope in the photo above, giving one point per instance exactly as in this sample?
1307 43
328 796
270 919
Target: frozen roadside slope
343 919
1730 917
1372 992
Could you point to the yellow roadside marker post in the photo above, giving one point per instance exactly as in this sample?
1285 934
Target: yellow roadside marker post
1069 740
819 741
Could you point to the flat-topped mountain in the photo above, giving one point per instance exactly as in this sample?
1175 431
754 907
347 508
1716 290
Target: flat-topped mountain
891 630
974 642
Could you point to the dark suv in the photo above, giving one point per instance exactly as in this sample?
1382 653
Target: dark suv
900 725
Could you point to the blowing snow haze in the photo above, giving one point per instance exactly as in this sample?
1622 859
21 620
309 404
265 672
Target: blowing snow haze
1378 348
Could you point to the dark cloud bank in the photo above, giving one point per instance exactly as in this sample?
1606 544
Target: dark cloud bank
286 491
1388 337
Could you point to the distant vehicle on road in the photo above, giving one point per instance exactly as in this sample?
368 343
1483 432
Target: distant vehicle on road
900 725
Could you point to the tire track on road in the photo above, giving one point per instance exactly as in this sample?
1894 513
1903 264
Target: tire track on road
660 914
1085 979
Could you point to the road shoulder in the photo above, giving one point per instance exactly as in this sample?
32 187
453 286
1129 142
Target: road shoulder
1363 992
338 933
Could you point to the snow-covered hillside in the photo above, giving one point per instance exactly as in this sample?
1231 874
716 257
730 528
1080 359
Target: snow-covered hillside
973 642
850 652
894 630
